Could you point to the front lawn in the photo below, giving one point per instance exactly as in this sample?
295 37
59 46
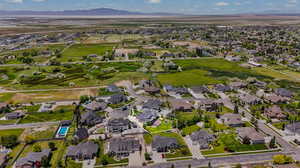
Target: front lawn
164 126
189 130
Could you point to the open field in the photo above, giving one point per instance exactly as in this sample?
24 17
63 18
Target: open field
77 51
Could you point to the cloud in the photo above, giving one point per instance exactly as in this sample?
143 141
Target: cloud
222 4
14 1
154 1
39 0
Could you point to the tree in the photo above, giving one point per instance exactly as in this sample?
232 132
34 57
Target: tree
147 156
236 109
37 148
29 139
45 161
209 165
282 159
77 115
84 99
9 141
238 166
246 140
273 142
52 146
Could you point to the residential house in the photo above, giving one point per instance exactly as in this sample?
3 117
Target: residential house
164 144
83 151
276 99
284 92
81 134
154 104
222 88
33 159
210 105
181 105
118 125
152 90
232 120
250 132
202 138
122 147
148 116
95 106
14 115
176 90
90 119
146 83
249 99
292 129
113 89
274 112
117 99
197 91
122 112
237 85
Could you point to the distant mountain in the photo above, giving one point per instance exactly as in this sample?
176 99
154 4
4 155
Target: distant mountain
87 12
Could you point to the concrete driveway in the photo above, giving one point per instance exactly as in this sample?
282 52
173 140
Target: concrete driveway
136 159
157 157
195 149
88 163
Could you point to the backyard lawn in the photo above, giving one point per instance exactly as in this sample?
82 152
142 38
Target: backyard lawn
228 143
164 126
59 114
16 132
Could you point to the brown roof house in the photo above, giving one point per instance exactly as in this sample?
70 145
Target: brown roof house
33 159
122 147
250 132
181 105
232 120
83 151
274 112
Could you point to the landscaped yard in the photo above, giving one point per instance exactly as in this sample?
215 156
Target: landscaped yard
59 114
189 130
102 158
44 145
164 126
16 132
183 151
228 143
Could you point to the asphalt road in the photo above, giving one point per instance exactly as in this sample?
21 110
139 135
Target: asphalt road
229 160
30 125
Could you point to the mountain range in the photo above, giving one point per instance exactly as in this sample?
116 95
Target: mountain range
87 12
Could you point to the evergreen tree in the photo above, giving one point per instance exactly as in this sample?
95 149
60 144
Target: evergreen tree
273 142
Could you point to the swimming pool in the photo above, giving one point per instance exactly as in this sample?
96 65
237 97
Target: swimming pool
62 132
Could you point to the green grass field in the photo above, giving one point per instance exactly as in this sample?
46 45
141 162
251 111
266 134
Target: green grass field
229 143
77 51
207 71
16 132
56 115
189 130
164 126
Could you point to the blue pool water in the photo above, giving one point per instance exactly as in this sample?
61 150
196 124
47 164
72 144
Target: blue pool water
62 131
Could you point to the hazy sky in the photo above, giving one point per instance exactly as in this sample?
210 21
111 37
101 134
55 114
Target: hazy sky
174 6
